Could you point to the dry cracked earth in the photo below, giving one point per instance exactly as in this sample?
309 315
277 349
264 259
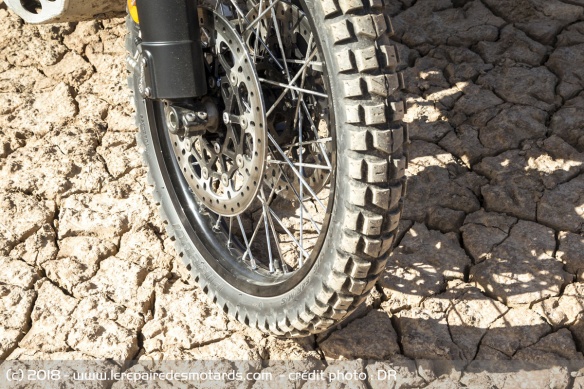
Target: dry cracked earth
489 264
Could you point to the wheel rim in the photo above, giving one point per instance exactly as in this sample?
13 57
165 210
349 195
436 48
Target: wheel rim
267 243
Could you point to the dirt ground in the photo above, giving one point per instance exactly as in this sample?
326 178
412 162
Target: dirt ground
490 259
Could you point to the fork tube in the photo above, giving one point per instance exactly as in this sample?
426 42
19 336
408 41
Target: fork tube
171 46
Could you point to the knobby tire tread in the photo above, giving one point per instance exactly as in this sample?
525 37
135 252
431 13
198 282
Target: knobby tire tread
364 68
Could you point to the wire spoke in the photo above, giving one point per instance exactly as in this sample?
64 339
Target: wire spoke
301 62
257 31
300 165
308 142
277 239
273 191
300 207
291 165
253 262
315 131
287 231
271 258
240 12
310 64
312 55
297 112
279 37
307 91
298 197
255 231
260 15
229 237
268 220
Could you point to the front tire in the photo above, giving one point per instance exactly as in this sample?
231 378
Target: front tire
366 185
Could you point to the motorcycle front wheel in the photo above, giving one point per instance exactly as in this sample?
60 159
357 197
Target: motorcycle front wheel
287 213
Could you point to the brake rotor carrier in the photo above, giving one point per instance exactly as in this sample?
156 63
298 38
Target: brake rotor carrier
225 171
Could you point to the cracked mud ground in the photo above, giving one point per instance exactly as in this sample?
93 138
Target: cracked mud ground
490 259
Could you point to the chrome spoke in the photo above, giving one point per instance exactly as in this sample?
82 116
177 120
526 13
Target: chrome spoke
300 62
291 165
271 258
317 229
297 113
268 220
229 238
307 91
255 231
279 99
300 165
287 231
257 31
277 241
273 191
253 262
282 50
260 15
315 131
308 142
301 208
240 12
